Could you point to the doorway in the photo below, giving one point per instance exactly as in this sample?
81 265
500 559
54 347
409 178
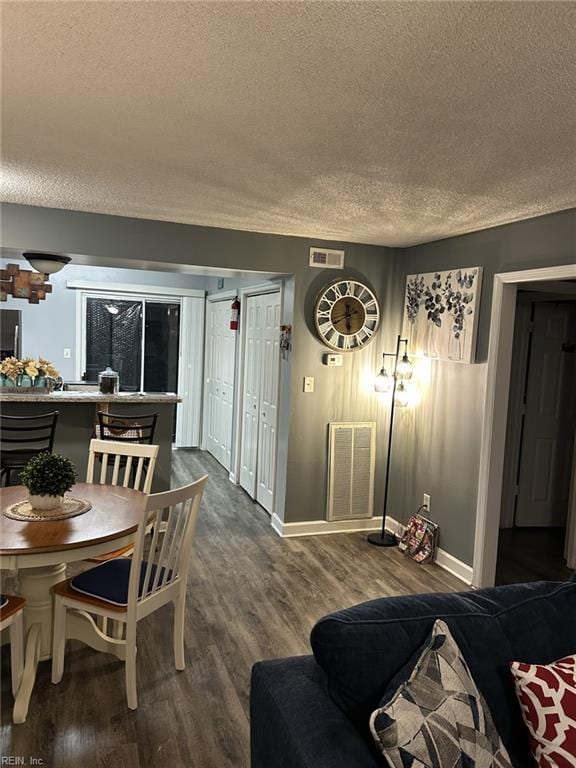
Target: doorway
536 505
259 396
493 442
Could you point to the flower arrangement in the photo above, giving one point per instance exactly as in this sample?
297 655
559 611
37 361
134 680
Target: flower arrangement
48 475
457 300
13 369
414 292
433 301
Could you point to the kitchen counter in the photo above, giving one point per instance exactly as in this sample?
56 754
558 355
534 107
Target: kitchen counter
88 397
78 416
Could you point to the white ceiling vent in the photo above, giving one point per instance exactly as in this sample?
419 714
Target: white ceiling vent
351 461
324 258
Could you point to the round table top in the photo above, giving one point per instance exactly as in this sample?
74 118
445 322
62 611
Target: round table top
116 512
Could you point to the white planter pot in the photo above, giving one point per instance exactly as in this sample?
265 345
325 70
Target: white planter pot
46 502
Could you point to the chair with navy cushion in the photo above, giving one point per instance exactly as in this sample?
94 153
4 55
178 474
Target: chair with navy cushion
127 590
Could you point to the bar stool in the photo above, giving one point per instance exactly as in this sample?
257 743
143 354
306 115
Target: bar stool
22 438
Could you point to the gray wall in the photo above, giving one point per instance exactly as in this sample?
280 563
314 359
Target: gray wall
50 326
151 245
437 444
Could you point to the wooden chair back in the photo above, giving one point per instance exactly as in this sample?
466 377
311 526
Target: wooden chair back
169 524
137 462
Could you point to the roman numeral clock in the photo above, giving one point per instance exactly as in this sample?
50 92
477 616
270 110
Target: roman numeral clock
347 315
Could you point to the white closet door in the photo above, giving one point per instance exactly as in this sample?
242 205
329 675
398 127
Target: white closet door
220 366
267 433
252 315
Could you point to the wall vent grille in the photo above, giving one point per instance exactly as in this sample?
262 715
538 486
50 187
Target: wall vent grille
351 462
325 258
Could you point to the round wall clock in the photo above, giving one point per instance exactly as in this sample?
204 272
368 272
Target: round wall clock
346 315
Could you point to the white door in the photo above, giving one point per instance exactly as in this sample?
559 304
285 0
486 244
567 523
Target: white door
219 383
549 423
260 397
252 317
270 357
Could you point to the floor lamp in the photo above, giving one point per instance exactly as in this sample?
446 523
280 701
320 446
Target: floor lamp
383 383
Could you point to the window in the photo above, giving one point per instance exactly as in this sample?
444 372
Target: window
137 337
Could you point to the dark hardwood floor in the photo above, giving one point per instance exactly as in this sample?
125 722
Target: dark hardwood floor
251 596
531 554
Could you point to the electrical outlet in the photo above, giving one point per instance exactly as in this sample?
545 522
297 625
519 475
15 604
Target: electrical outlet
308 383
426 501
67 353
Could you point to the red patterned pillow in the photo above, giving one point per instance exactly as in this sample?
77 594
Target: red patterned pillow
547 695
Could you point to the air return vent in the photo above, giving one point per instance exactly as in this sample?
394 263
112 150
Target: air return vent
351 459
323 258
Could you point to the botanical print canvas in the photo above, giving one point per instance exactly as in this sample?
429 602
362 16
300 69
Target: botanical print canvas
441 314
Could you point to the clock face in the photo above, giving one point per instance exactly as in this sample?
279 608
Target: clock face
346 315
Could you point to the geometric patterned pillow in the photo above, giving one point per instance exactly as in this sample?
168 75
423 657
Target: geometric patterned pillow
438 717
547 695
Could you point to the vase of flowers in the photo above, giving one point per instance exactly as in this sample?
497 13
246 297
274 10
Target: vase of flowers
415 289
28 373
457 299
10 368
48 476
434 311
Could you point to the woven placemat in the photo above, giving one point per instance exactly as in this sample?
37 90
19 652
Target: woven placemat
24 511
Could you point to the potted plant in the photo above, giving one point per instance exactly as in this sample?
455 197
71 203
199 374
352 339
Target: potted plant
48 476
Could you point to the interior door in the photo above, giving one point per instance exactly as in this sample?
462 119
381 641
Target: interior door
548 435
220 366
267 432
252 317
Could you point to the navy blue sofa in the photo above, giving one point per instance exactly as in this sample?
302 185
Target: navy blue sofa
313 711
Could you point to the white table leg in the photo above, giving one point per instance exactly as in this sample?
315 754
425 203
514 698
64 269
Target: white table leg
35 585
22 698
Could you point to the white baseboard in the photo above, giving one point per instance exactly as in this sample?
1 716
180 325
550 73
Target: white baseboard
444 559
319 527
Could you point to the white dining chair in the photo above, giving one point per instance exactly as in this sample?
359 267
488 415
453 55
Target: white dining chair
23 660
11 617
126 590
134 461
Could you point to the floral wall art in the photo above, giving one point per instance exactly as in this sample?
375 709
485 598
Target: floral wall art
441 313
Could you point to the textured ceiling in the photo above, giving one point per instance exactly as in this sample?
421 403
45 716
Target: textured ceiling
378 122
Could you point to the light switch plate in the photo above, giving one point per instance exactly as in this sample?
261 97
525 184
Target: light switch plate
67 353
308 383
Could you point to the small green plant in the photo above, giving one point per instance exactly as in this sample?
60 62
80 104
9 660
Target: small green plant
48 474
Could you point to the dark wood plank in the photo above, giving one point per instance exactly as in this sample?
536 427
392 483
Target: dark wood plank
251 596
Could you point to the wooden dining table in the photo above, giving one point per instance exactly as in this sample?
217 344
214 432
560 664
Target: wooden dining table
40 551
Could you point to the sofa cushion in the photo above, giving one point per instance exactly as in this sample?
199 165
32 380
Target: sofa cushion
438 716
362 649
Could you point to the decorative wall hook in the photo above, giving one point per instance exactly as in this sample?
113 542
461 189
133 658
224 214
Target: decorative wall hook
285 340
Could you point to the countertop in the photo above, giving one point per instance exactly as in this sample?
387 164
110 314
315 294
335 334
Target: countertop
89 397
